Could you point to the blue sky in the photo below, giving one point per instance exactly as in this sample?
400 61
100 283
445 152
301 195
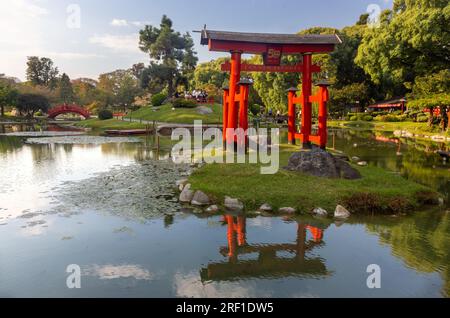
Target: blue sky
107 36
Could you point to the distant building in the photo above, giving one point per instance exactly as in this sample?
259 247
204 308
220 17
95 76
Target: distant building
389 105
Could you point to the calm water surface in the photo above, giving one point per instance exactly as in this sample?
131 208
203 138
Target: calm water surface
176 253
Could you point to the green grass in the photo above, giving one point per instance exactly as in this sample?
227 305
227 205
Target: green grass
412 127
378 191
166 114
109 124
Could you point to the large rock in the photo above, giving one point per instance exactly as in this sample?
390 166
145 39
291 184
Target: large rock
320 163
200 199
187 194
341 212
233 204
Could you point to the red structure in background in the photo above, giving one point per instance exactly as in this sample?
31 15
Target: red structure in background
272 47
68 109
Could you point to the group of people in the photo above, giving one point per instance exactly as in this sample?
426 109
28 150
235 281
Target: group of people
197 94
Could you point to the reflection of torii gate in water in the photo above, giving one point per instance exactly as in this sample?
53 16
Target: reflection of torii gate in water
268 263
273 47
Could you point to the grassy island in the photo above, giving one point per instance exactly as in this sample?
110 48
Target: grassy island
379 191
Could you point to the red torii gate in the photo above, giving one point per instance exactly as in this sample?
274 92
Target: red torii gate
273 47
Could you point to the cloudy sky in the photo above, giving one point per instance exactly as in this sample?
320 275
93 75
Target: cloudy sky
88 37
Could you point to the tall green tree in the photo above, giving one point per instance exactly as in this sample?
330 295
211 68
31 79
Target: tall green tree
412 40
8 96
173 54
65 89
41 71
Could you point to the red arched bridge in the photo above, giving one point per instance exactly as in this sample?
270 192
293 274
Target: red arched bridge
68 109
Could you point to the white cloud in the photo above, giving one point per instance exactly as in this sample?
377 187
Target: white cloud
125 23
123 43
119 23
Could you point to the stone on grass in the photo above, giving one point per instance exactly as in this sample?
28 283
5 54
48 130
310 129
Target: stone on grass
320 212
362 163
341 212
200 199
356 159
212 209
265 208
233 204
187 194
320 163
204 110
287 210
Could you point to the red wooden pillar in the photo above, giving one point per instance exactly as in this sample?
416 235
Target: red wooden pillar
244 91
241 230
231 236
225 112
291 115
323 113
235 76
307 106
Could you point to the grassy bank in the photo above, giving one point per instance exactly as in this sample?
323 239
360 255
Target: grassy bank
378 191
166 114
109 124
420 129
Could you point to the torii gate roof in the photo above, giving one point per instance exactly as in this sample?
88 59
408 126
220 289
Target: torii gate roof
257 43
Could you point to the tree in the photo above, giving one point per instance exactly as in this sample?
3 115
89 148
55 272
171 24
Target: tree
8 97
40 71
65 89
174 54
348 95
210 73
412 40
29 104
121 86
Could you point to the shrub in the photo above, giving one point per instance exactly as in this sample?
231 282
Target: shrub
184 103
353 118
158 99
422 118
367 118
105 114
255 109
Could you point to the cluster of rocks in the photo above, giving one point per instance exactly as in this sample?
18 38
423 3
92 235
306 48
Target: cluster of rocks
200 199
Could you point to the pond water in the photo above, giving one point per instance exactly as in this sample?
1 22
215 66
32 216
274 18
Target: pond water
110 208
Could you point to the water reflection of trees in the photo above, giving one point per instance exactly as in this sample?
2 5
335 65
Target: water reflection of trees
422 241
10 144
414 159
268 263
147 150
